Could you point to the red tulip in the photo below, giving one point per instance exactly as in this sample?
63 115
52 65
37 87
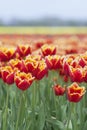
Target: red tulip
41 70
75 93
7 74
85 73
6 54
76 74
53 62
31 64
59 90
15 63
23 81
48 50
23 50
82 62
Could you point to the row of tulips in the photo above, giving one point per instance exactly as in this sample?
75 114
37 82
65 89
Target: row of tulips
53 79
24 70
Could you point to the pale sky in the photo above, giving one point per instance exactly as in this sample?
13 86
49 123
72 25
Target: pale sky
34 9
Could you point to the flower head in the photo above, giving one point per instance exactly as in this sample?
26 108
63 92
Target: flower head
53 62
75 93
22 50
7 74
48 50
59 90
6 54
23 81
41 70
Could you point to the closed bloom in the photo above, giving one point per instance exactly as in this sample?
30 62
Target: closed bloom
6 54
7 74
75 93
23 81
48 50
22 50
59 90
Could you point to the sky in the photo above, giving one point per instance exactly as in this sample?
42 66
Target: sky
34 9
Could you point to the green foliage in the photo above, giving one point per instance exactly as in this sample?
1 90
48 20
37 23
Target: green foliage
38 108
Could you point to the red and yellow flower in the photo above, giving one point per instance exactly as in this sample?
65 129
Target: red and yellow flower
59 90
76 74
41 70
75 93
53 62
23 81
31 64
22 51
6 54
48 50
15 63
7 74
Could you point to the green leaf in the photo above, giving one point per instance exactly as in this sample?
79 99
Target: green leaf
85 125
56 122
41 117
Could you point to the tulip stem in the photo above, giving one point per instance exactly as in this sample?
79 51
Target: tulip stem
69 114
18 113
6 110
75 117
33 105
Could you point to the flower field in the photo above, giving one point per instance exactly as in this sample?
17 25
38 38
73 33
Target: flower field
43 80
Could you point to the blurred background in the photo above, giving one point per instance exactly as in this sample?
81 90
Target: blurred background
43 13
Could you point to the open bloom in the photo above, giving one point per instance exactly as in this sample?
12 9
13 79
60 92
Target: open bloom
22 50
7 74
15 63
41 70
48 50
75 93
23 80
6 54
76 74
53 62
59 90
31 64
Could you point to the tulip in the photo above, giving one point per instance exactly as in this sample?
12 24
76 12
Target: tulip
41 70
66 65
82 62
85 74
6 54
53 62
48 50
15 63
75 93
22 50
76 74
31 64
7 74
23 81
59 90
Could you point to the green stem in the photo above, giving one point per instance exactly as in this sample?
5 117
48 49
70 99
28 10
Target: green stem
55 104
69 114
5 115
33 105
18 113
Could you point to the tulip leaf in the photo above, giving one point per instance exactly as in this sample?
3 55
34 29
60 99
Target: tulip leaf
41 117
56 123
85 125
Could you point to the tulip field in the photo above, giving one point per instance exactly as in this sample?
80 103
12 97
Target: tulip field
43 79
